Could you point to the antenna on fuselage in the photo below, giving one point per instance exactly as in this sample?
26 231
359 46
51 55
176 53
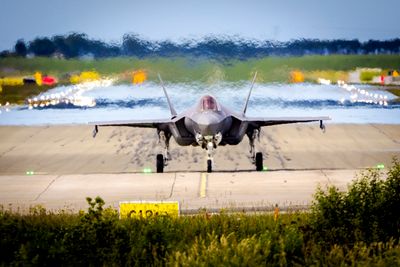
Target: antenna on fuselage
248 96
171 108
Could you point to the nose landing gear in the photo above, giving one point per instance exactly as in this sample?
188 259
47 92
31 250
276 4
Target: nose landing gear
209 143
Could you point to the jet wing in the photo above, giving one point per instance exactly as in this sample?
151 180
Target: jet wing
268 121
131 123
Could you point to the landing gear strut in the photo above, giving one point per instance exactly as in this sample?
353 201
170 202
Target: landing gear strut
210 153
256 157
209 143
162 160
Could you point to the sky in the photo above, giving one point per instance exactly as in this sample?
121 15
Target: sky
177 20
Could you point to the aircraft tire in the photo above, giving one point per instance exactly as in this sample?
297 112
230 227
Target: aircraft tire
160 163
259 161
209 165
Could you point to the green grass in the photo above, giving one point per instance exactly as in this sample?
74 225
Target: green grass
359 227
367 76
18 94
271 69
395 91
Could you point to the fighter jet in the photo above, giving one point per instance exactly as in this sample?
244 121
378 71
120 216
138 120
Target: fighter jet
208 125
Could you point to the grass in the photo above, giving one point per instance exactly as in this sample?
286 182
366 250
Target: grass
354 228
271 69
367 76
395 91
18 94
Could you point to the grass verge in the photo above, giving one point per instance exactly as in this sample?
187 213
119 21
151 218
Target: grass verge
271 69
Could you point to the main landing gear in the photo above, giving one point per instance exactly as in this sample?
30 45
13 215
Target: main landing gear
162 160
256 157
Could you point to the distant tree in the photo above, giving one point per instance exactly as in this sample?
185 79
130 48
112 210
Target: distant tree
42 47
132 45
72 45
218 47
5 53
20 48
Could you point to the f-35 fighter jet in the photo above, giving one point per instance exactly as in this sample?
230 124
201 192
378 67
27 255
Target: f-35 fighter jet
209 125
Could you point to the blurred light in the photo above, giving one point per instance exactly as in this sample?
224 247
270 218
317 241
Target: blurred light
265 168
71 95
147 170
369 98
380 166
324 81
139 77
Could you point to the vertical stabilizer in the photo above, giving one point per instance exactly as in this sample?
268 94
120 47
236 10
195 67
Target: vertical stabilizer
171 108
248 96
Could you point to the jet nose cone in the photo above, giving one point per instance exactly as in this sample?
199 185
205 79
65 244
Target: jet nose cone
209 123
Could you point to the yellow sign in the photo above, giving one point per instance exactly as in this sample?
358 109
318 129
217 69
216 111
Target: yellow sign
139 77
296 76
38 78
148 209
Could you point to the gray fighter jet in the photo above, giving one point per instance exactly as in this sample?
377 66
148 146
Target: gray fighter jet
208 125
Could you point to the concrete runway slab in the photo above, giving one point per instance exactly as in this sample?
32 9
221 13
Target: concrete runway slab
244 190
69 165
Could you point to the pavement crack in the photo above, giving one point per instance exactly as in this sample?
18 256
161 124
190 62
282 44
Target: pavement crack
47 187
172 187
327 177
385 134
7 151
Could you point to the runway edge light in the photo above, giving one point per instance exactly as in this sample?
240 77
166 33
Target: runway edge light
147 170
380 166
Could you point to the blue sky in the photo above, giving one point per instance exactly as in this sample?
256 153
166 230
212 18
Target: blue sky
179 19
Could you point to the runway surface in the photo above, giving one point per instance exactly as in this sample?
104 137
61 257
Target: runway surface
237 191
59 166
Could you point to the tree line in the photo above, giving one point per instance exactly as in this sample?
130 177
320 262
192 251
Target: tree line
77 45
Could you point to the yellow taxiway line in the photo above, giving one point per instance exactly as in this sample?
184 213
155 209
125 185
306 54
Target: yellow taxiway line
203 184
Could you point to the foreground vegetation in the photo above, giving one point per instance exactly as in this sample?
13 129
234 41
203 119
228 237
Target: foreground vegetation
359 227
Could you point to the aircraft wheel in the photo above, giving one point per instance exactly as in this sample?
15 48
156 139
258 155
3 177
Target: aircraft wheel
209 165
259 161
160 163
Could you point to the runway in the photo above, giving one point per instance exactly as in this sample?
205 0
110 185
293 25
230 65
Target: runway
231 190
59 166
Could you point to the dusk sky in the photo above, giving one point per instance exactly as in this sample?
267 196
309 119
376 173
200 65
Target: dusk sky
180 19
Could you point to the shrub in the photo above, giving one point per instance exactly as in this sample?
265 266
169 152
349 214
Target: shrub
367 212
367 76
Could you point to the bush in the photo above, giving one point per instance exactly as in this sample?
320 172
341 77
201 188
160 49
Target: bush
367 76
367 212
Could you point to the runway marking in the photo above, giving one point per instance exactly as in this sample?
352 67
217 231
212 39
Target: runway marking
203 185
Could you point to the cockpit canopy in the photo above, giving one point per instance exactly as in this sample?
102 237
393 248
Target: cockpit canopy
208 103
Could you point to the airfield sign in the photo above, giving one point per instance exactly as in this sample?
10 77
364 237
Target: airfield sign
148 209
